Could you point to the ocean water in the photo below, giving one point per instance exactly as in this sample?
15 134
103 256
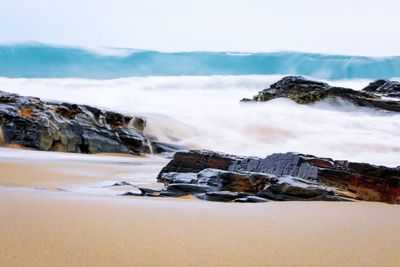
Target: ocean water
205 112
45 61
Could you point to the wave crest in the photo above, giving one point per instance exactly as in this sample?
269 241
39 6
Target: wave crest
46 61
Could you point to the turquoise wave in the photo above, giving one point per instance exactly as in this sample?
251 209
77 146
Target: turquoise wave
46 61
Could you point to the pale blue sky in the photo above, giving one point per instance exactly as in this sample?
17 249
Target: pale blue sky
342 26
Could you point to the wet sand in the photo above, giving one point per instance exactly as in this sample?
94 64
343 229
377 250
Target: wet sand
52 171
57 228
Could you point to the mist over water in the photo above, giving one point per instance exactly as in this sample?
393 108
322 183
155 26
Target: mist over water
205 112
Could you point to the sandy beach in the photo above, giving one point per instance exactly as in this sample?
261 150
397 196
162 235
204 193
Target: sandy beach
199 133
62 229
49 227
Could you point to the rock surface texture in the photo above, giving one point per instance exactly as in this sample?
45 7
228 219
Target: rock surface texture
304 91
33 123
384 88
281 176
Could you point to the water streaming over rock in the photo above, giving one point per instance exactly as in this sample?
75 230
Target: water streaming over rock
205 112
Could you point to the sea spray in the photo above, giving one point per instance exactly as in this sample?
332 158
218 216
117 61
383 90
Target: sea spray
205 113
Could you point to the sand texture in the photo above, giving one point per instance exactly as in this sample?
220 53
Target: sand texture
47 227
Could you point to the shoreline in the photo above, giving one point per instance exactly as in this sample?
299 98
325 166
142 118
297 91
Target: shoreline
50 227
77 173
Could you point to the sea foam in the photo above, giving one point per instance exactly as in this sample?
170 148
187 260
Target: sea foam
204 112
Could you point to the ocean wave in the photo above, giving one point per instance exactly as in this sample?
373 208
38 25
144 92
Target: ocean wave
35 60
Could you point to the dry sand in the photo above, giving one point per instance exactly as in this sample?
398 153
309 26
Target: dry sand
43 228
63 229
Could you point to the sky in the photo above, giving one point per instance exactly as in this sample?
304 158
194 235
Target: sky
351 27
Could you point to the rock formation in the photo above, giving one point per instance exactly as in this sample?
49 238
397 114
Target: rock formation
281 176
304 91
384 88
32 123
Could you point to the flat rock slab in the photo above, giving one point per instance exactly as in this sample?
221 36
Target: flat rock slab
251 199
190 188
286 192
178 178
222 196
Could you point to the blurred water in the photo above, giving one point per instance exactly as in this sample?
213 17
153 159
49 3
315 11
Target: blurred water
36 60
205 112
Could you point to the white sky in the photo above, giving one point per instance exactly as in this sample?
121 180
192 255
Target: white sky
359 27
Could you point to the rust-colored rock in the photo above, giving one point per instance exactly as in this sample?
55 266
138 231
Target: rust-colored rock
361 180
32 123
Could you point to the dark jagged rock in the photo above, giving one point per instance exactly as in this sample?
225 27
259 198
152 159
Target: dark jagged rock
368 182
179 178
190 188
304 91
297 191
173 193
222 196
148 192
364 181
196 161
234 181
172 190
215 180
33 123
384 88
286 192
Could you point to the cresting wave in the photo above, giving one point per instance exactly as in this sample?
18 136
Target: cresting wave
46 61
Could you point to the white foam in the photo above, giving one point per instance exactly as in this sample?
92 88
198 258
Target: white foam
204 112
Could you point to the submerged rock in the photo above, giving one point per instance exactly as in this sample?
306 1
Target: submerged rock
361 180
304 91
123 183
33 123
